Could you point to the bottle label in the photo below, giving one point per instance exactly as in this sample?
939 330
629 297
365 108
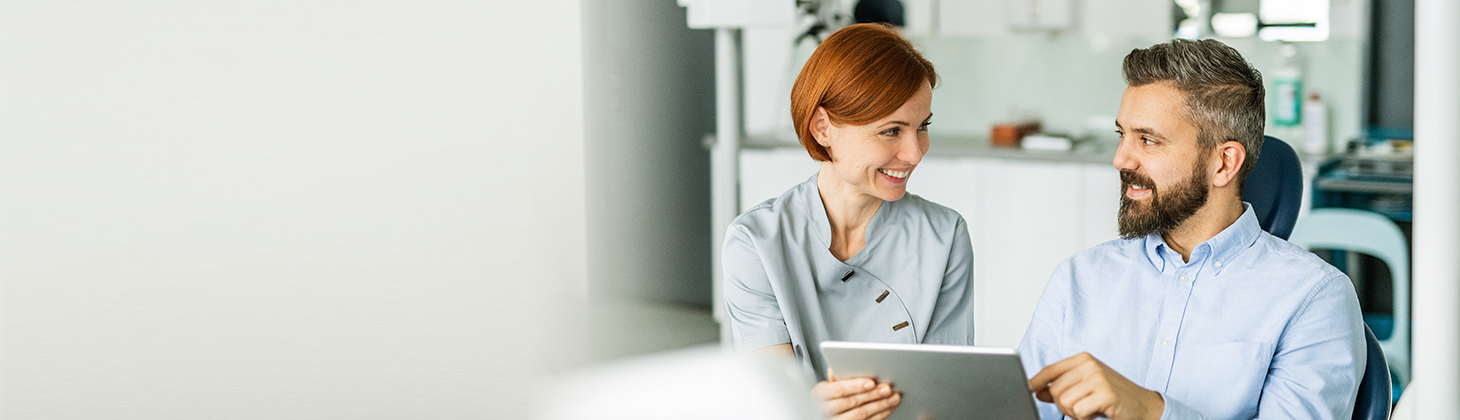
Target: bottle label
1288 111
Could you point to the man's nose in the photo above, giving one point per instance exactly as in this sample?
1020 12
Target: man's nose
1124 157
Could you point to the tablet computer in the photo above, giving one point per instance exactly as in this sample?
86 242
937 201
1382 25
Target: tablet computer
940 382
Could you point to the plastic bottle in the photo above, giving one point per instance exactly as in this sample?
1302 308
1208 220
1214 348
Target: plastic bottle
1287 87
1315 126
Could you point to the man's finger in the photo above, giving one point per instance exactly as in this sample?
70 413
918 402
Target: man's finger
1044 395
1092 406
1051 372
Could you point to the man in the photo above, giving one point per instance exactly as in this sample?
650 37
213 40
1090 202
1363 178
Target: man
1195 312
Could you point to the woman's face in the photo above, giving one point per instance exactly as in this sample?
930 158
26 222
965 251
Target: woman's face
878 158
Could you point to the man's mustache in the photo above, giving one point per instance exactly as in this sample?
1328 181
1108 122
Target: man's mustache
1129 177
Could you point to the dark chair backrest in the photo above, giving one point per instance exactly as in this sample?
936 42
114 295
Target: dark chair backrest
1274 187
1374 388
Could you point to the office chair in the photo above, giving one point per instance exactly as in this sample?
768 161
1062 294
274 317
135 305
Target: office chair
1373 234
1375 393
1274 187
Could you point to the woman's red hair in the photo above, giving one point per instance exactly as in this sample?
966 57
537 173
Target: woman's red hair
859 74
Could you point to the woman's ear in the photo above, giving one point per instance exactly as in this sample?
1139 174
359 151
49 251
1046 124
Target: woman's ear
821 127
1230 156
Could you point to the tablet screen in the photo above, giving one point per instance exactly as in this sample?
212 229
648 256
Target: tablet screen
940 382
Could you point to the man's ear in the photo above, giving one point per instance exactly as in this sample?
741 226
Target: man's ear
1230 156
821 127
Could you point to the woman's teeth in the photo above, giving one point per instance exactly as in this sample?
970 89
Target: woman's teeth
895 174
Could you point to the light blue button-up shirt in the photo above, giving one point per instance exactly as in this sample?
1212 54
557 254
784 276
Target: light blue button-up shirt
1251 327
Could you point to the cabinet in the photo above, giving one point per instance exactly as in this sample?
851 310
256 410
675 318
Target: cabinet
1101 18
1025 216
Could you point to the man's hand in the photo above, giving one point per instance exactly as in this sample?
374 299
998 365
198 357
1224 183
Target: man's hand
856 399
1084 388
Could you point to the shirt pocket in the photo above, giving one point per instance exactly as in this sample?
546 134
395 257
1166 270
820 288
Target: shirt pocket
1222 380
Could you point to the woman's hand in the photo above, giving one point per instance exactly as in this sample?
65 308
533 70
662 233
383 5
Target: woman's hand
856 399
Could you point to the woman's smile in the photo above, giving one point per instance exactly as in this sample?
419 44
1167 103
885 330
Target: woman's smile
896 177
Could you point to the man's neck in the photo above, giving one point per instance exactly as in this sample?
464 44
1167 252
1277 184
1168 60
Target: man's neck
1210 220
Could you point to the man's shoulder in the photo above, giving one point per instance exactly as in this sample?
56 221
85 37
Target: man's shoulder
1116 249
1274 252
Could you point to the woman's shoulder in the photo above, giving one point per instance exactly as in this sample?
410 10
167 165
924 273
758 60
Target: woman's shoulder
918 208
774 211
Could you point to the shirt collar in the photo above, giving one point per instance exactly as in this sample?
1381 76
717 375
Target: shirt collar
1222 248
816 211
821 225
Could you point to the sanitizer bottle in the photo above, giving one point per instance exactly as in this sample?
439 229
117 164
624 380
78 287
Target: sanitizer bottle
1315 126
1287 87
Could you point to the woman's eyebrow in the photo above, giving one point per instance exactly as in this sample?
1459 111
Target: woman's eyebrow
930 116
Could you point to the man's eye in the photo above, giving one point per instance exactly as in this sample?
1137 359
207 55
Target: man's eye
1148 141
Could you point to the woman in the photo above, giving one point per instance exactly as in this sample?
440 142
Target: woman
849 254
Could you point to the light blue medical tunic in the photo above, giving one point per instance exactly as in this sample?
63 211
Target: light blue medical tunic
911 283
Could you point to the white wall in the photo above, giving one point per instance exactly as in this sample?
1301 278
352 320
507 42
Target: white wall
280 209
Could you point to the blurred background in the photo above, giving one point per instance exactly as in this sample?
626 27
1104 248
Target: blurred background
382 209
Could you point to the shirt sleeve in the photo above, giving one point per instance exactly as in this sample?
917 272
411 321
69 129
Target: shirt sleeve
952 321
1320 359
755 315
1175 410
1043 342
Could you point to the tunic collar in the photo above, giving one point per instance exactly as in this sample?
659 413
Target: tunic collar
821 225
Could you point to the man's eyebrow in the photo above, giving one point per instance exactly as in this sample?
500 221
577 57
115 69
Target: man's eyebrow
1140 130
1146 131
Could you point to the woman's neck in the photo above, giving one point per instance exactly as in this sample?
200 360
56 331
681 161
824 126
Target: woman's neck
849 211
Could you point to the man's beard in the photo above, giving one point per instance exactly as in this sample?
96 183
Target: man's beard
1166 210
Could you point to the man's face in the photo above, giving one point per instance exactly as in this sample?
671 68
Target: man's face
1163 177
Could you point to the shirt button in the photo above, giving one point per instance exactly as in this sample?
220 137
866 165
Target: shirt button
1217 264
1165 343
1183 278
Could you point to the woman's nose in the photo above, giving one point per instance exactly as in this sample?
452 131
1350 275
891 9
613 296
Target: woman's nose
912 150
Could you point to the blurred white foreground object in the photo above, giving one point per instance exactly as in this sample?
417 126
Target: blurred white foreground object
703 383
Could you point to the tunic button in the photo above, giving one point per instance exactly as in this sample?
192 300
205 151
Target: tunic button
899 326
849 275
883 296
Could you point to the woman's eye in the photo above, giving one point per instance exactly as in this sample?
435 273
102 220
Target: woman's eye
891 132
925 125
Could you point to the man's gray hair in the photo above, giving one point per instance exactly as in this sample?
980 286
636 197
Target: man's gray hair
1224 94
